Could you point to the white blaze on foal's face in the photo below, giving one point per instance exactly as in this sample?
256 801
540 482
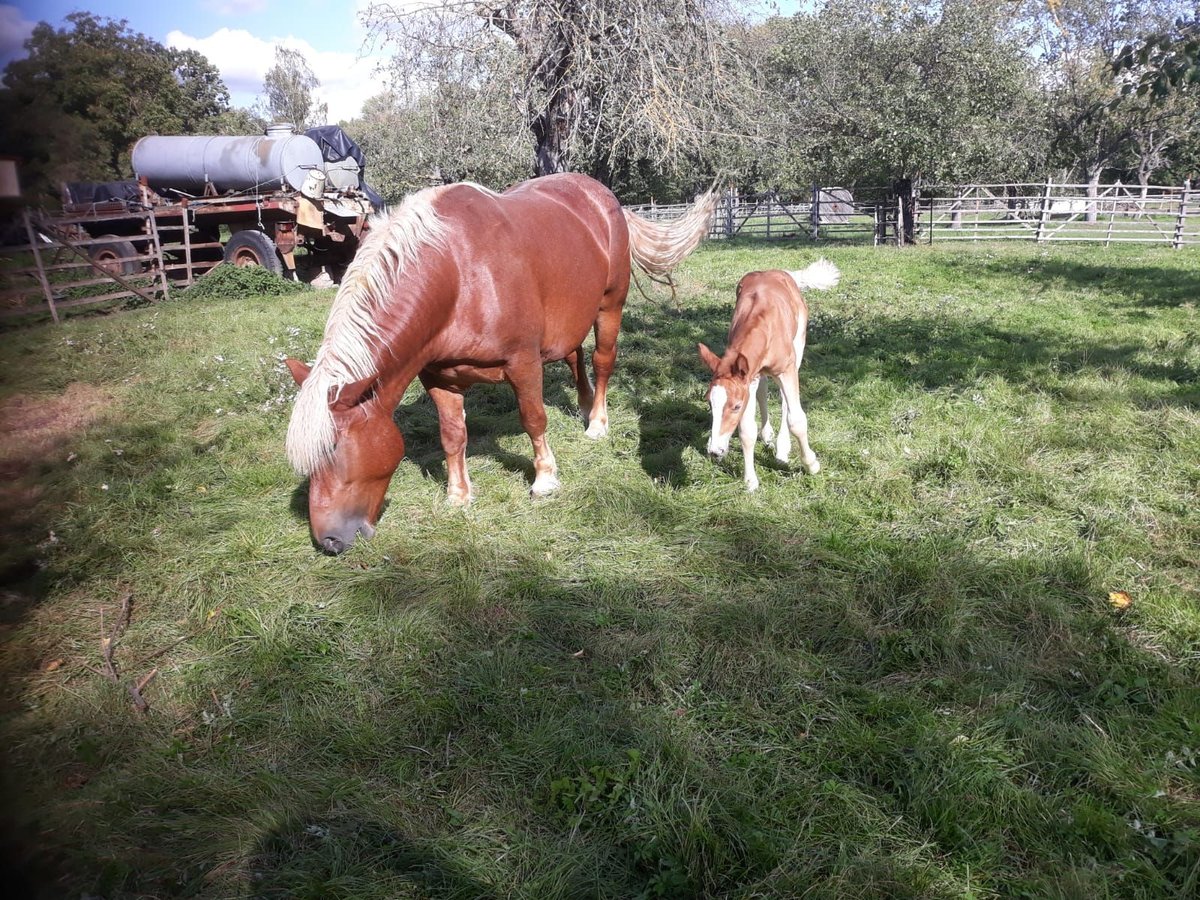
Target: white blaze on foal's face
727 397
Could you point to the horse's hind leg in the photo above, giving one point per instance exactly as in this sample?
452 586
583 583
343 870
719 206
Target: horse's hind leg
526 381
583 385
764 413
608 324
452 419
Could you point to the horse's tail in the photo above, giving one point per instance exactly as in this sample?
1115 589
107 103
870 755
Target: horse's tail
658 247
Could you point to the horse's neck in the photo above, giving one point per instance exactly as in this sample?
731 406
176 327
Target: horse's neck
408 344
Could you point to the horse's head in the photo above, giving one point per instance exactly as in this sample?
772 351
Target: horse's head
346 493
727 395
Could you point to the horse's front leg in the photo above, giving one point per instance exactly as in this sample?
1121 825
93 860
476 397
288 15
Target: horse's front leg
526 379
452 420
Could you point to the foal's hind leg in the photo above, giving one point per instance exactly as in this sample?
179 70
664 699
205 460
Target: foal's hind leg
768 433
452 419
583 384
608 324
526 380
796 421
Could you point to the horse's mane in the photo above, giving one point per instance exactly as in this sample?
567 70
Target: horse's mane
348 352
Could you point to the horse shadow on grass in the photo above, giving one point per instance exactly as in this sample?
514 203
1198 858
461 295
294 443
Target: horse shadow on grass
643 734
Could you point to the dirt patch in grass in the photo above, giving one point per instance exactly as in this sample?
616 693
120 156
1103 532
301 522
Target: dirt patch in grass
34 427
34 430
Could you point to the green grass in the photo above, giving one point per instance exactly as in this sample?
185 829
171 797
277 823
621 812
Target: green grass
901 677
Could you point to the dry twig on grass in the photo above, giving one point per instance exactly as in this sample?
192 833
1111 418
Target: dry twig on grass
108 646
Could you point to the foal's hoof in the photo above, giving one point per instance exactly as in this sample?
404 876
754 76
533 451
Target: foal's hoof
812 466
597 430
462 500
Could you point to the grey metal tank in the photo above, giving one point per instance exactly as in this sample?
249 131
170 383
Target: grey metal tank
278 160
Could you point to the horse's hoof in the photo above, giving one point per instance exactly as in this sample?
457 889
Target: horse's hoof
597 430
462 501
544 486
813 466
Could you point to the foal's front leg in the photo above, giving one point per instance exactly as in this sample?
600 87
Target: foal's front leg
526 380
452 420
746 432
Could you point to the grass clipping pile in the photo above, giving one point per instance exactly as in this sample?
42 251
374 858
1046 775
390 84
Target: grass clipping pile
248 281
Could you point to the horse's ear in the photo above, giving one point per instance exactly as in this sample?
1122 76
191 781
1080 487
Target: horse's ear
741 366
298 369
710 359
347 396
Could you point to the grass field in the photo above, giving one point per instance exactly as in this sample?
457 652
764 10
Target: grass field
902 677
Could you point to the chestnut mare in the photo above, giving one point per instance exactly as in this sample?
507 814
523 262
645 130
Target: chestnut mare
767 336
462 285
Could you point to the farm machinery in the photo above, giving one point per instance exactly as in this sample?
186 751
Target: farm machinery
295 204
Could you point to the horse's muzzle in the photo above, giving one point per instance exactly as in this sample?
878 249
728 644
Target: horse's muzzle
335 543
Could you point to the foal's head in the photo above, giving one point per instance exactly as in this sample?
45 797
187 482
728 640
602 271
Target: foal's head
728 396
346 492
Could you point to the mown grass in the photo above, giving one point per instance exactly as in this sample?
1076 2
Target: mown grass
901 677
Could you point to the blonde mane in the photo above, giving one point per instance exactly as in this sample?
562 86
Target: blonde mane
348 351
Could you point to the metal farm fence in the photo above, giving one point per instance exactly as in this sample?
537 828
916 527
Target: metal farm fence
1049 212
1044 212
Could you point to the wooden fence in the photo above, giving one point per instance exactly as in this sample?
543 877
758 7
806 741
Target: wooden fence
1044 212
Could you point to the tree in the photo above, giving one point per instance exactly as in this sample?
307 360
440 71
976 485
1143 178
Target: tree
941 91
611 79
1097 126
76 104
450 133
288 91
1164 61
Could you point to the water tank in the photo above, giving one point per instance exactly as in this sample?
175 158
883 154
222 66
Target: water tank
278 160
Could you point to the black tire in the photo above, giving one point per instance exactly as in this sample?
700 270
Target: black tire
253 248
115 256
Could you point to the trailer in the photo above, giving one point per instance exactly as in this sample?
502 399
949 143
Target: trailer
295 204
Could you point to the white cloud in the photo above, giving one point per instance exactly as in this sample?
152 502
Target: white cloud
14 30
243 60
235 7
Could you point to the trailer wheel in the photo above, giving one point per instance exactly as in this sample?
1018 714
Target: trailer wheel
116 256
253 248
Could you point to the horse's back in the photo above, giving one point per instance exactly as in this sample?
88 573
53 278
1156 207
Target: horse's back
541 259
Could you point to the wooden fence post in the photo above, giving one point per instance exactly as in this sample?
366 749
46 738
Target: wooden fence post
1181 221
814 212
158 253
729 213
37 259
1045 215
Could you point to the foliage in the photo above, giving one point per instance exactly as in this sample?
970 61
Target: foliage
876 92
239 282
288 91
453 132
1163 62
903 677
74 107
610 81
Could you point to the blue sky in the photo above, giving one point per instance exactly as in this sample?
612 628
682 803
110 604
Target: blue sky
239 36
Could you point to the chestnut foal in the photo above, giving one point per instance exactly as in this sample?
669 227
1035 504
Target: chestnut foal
770 321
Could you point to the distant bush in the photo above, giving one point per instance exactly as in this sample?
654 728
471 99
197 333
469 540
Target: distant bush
250 281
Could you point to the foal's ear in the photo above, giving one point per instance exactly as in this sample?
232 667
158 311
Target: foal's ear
710 359
741 366
298 369
347 396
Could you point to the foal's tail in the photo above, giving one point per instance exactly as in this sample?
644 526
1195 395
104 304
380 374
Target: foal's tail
819 276
658 247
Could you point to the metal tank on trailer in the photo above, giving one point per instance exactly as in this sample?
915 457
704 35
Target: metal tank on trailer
280 160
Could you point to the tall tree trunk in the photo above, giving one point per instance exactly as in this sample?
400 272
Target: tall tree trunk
551 132
1093 189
